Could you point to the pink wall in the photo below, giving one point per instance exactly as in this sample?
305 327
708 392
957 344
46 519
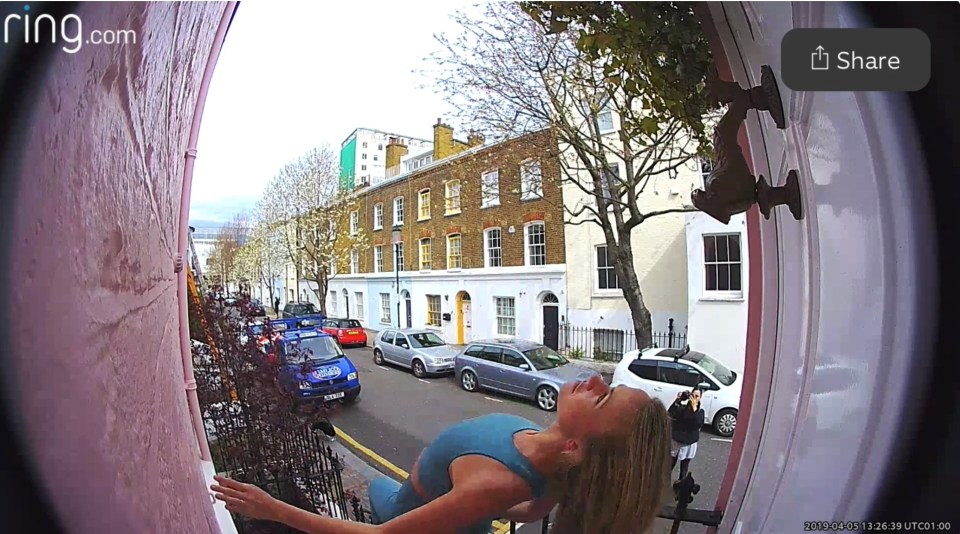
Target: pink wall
95 317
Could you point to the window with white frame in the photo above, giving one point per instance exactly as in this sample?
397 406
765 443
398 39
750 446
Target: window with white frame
333 302
398 256
536 243
423 211
452 190
433 310
358 304
385 308
378 259
531 179
426 262
493 248
354 222
378 216
333 267
607 279
363 156
454 251
506 316
354 261
722 264
605 121
611 177
490 189
398 211
705 165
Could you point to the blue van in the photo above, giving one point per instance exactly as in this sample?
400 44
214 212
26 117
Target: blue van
313 367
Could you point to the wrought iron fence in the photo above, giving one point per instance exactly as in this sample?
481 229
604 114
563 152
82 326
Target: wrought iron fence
608 344
256 434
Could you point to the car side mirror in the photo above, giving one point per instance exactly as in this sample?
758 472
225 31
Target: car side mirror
404 345
706 386
524 366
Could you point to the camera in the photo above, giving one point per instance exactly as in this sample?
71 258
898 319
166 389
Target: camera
684 396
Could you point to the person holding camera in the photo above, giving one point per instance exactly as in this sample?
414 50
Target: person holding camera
687 418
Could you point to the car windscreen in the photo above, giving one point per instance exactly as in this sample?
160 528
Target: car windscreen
312 349
305 309
718 370
425 340
544 358
349 323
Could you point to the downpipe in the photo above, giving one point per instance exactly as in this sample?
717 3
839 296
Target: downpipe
186 353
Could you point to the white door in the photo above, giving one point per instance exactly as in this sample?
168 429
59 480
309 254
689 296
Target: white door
467 321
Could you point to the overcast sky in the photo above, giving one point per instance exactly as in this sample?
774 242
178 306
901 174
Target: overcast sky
289 79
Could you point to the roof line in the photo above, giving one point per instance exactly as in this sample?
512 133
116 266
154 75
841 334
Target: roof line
355 130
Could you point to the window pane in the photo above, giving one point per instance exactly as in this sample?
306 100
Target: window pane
644 369
735 280
601 257
711 281
723 277
734 243
709 248
722 248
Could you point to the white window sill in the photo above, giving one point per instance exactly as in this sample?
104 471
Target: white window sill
531 197
424 271
722 298
434 327
491 205
602 294
451 213
386 322
395 223
457 270
422 219
378 227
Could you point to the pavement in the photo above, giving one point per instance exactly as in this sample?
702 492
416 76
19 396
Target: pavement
398 414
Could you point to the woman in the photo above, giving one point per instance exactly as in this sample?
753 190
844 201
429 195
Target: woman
687 416
605 462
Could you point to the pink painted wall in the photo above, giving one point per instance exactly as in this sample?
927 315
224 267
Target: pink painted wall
95 313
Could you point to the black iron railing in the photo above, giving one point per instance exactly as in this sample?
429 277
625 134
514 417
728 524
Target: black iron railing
609 344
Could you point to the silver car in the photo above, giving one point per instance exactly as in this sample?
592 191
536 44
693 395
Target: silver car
517 367
422 351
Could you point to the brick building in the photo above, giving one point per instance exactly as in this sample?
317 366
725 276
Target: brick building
481 241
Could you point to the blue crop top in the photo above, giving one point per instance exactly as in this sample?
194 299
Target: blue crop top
488 435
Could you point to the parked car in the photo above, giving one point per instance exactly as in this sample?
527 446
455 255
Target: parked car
518 367
312 367
349 332
299 309
255 309
422 351
663 373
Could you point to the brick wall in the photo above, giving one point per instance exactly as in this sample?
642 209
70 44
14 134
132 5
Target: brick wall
472 220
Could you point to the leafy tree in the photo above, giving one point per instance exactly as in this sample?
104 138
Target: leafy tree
508 74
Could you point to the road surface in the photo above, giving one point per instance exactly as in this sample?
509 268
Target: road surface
398 414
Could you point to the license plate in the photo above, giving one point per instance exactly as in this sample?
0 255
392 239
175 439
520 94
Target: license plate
353 332
333 396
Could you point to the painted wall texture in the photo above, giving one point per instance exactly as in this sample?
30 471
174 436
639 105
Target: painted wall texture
717 319
95 315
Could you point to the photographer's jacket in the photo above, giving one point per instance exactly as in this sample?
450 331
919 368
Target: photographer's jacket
686 423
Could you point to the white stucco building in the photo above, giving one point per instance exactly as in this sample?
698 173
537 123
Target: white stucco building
717 274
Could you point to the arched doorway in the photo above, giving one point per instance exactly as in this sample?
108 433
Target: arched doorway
551 320
346 303
408 307
464 318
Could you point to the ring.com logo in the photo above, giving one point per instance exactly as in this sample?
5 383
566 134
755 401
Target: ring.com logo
40 28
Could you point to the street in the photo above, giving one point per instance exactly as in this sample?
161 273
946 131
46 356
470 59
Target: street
398 414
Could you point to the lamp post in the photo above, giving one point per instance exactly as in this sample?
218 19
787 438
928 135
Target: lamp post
397 239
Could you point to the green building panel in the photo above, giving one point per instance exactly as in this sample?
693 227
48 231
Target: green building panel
348 164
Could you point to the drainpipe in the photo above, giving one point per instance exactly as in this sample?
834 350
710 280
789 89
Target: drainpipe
182 296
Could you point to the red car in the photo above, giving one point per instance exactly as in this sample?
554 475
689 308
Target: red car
349 332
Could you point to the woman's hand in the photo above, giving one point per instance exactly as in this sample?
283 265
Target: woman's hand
245 499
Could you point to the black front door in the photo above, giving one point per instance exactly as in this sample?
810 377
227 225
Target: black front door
551 326
409 314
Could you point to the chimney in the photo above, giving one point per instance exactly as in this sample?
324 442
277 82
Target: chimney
395 151
443 146
474 139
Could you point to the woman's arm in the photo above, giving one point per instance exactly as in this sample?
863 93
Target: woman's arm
459 508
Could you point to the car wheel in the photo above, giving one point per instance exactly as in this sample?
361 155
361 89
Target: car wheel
468 381
419 370
547 398
378 357
725 422
351 399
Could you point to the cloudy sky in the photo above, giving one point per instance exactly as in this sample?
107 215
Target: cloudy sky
289 79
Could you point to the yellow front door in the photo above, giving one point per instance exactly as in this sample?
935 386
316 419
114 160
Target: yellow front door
460 319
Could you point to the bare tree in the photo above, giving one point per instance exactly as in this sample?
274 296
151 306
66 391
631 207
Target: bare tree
305 204
507 76
262 256
225 258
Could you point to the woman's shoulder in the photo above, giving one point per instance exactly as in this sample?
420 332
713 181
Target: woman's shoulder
501 420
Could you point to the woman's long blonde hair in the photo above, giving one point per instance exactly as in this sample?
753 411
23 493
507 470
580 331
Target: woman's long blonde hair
619 486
